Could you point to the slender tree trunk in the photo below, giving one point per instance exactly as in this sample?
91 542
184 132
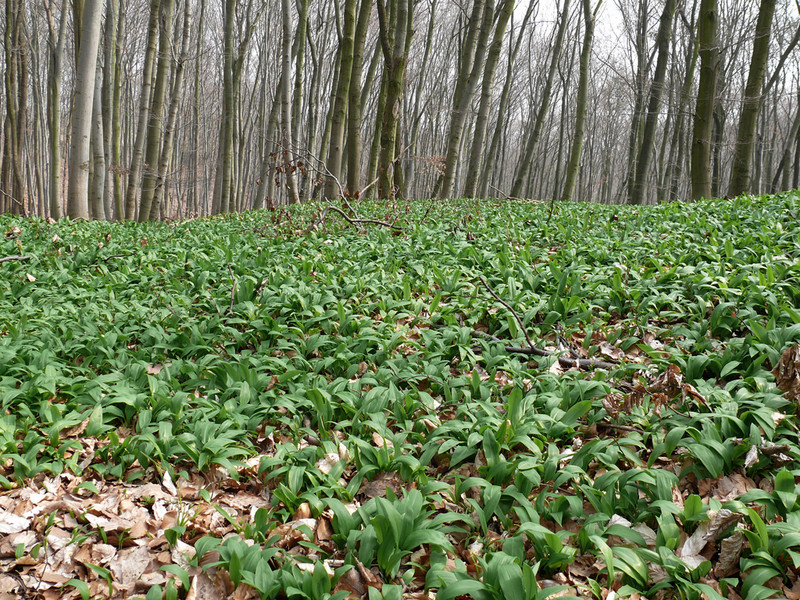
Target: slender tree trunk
339 110
524 164
57 46
116 121
743 153
395 47
172 119
675 167
491 156
354 111
286 98
137 156
482 119
107 95
706 99
638 190
98 179
472 53
574 163
155 129
79 158
416 113
222 193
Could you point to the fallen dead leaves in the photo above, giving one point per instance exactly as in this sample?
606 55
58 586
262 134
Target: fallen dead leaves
787 373
52 531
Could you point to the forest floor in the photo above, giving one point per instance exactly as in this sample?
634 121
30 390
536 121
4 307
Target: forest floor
485 400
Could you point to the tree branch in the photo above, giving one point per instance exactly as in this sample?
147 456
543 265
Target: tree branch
10 258
532 349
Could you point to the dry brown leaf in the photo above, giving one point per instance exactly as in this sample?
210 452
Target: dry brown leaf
794 593
327 462
787 372
353 583
11 523
729 553
377 487
203 588
668 383
245 592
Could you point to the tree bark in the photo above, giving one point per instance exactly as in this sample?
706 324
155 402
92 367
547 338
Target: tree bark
482 119
706 99
286 99
638 190
745 138
524 164
137 155
155 129
57 46
472 58
80 138
339 110
159 199
395 39
354 110
574 163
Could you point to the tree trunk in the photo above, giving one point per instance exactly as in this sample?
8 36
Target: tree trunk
116 121
222 192
339 110
172 118
155 129
354 110
395 39
137 156
638 190
743 153
706 99
472 57
482 119
574 163
80 137
57 45
97 181
524 164
286 99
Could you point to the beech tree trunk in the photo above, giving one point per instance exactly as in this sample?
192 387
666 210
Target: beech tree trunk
638 190
532 140
574 163
745 138
706 99
80 137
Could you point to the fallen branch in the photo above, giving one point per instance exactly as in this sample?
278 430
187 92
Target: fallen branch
233 290
618 427
354 222
10 258
533 349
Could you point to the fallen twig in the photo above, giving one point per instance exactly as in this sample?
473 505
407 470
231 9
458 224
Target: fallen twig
233 290
533 349
353 222
618 427
10 258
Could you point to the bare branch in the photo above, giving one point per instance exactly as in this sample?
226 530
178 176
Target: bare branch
10 258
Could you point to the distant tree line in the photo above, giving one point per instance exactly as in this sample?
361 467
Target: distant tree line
154 109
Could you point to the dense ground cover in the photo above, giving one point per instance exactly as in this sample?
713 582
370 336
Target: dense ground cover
248 403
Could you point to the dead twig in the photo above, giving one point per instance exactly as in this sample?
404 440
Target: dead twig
354 222
10 258
619 427
511 309
533 349
233 290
